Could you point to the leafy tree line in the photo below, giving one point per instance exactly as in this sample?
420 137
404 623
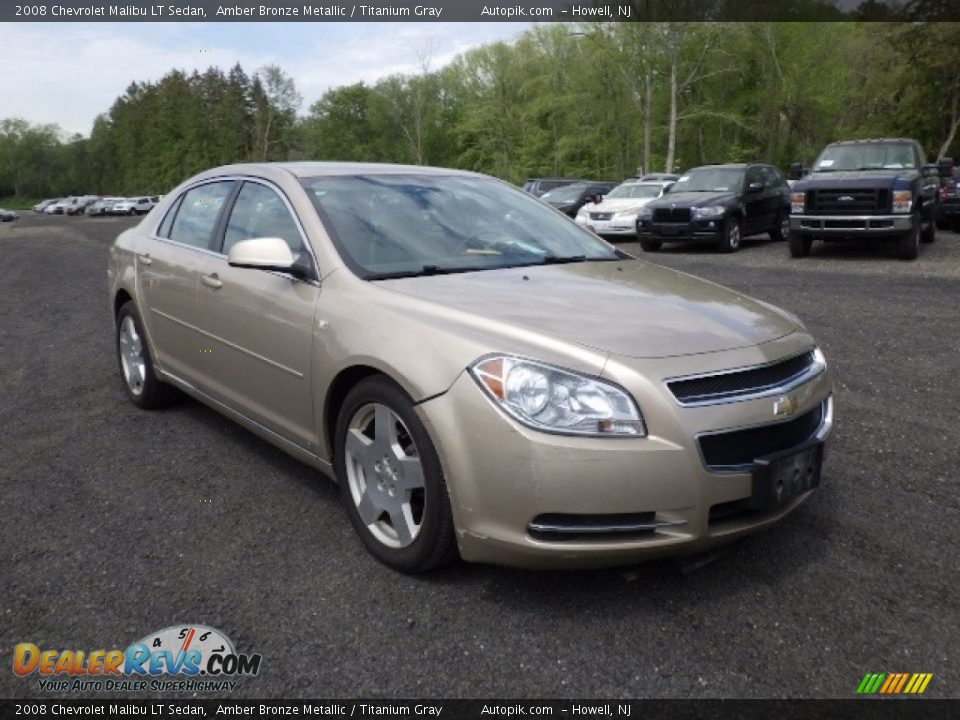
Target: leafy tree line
595 100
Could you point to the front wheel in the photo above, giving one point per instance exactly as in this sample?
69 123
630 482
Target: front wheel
908 244
132 211
930 234
391 481
799 245
730 242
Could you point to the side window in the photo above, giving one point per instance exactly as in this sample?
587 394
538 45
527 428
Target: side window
754 175
198 213
261 212
164 230
772 177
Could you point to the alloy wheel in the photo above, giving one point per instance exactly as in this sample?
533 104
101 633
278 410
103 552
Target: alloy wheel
384 475
132 356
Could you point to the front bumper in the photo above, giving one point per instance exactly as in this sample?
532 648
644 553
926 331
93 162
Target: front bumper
855 225
693 231
506 481
626 226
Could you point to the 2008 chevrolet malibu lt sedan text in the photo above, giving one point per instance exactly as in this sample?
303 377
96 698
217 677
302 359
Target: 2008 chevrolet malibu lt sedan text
480 374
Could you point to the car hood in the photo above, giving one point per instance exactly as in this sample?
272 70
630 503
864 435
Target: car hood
694 199
853 178
629 308
617 204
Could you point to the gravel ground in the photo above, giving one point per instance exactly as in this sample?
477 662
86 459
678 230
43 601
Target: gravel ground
118 522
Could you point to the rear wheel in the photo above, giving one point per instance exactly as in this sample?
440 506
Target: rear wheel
908 244
799 244
730 242
781 230
651 245
136 366
390 478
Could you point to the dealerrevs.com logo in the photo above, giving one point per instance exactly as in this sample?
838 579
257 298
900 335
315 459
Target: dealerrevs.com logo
188 658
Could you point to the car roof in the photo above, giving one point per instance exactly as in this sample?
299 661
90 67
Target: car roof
872 140
305 169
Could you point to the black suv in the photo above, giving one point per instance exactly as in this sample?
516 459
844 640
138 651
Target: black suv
539 186
948 211
570 198
720 204
876 189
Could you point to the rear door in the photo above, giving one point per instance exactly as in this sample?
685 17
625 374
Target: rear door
756 205
258 324
168 273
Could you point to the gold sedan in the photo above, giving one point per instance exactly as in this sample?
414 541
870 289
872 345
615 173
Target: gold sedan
482 376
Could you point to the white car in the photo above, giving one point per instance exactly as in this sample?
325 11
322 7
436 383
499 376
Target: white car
617 213
139 205
61 207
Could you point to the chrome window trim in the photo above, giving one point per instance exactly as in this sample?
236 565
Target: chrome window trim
786 386
821 433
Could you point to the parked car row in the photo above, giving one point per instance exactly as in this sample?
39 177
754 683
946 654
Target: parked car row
879 189
97 205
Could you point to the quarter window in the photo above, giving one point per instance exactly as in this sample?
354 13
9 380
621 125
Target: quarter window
198 213
261 212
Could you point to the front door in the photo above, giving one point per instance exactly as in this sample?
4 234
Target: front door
258 325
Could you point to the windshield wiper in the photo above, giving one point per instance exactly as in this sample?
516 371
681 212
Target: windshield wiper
424 270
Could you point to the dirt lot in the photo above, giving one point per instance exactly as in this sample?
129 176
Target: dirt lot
118 522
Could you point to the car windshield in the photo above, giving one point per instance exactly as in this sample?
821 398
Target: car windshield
708 179
866 156
567 193
635 190
397 225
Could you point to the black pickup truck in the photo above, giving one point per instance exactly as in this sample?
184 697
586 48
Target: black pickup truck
876 189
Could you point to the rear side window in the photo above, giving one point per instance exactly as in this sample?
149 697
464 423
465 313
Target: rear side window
198 212
261 212
164 230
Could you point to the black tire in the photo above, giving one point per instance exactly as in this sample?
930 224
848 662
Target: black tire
132 211
780 232
651 245
435 542
908 244
732 236
930 234
151 393
800 244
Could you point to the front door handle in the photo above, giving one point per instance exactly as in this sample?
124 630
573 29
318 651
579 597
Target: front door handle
145 258
212 281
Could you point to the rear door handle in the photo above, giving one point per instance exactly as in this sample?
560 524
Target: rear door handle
145 258
212 281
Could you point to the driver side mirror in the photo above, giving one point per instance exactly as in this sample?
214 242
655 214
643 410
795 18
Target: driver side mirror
267 253
597 199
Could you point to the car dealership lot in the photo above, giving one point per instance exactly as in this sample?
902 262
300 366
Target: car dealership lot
119 522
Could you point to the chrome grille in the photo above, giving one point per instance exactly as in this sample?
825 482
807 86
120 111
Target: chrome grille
738 384
859 201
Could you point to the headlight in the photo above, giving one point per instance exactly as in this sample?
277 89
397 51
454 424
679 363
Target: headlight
707 213
646 213
902 201
547 398
798 201
626 213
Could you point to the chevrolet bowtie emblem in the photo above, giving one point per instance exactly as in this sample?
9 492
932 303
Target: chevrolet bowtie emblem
785 406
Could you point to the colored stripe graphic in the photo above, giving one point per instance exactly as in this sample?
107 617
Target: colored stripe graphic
894 683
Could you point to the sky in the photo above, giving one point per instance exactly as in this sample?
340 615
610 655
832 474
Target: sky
67 74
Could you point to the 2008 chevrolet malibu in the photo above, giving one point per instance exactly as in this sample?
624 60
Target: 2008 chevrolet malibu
482 376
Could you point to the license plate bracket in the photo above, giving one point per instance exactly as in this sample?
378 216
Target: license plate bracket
780 477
